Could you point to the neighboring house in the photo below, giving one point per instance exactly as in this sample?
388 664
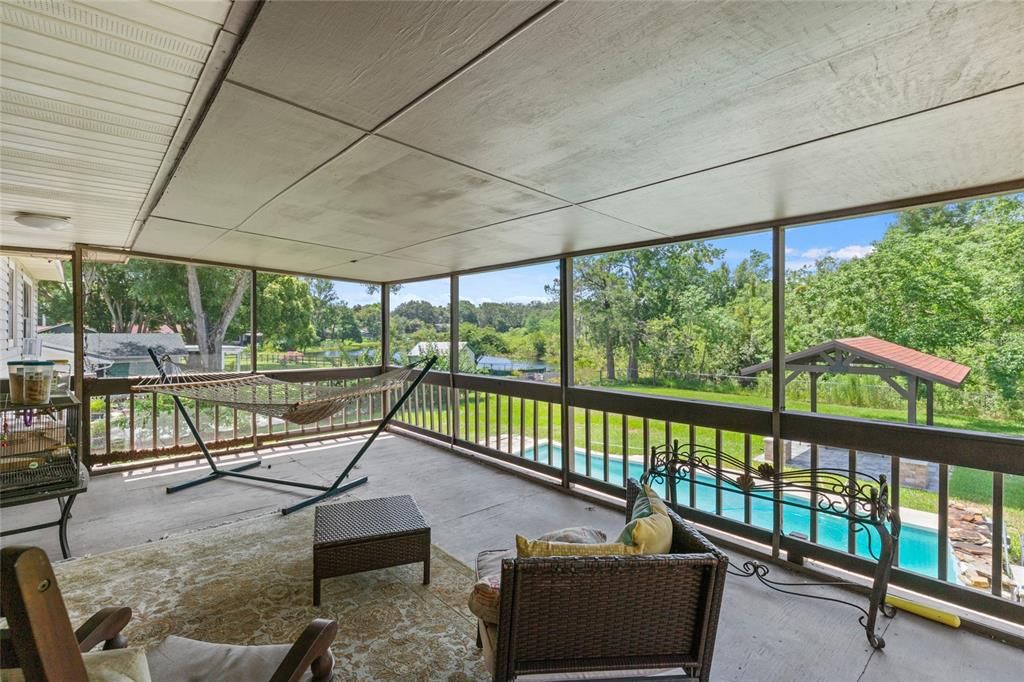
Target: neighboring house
121 355
503 366
19 307
427 348
62 328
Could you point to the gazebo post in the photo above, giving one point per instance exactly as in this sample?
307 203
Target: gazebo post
911 399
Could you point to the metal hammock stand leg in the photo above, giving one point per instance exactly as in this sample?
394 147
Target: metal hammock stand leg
339 486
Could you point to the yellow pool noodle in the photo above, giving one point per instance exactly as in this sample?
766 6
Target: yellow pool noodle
950 619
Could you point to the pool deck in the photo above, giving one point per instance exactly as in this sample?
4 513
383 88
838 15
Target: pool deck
763 635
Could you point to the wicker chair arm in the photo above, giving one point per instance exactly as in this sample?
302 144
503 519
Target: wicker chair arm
104 627
311 651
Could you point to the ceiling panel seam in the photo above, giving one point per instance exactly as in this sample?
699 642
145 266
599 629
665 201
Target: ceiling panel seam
805 143
241 16
522 26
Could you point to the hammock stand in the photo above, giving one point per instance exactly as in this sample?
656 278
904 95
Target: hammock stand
336 488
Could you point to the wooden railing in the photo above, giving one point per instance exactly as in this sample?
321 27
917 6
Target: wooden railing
519 422
124 427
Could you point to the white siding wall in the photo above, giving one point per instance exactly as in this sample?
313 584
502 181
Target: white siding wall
12 310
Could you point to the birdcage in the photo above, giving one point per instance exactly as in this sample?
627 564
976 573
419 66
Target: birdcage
38 445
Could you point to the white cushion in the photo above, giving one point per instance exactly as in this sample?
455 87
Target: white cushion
115 665
179 659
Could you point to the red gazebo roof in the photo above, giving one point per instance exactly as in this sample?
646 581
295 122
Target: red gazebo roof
907 360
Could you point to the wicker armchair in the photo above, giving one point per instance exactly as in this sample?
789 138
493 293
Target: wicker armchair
586 614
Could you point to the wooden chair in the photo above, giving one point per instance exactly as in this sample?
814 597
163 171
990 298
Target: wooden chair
41 642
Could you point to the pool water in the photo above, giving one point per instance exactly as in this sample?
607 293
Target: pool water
918 546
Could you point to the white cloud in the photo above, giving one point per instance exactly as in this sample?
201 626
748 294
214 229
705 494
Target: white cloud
809 257
814 254
853 251
844 253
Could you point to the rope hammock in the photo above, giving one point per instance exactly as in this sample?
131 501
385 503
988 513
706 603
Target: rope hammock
292 402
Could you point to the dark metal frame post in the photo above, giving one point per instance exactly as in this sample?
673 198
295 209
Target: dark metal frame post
84 433
567 379
454 357
385 340
778 373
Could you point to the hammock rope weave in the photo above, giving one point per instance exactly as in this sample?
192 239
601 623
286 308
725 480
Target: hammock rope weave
292 402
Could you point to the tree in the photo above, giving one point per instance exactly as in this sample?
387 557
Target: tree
210 331
285 310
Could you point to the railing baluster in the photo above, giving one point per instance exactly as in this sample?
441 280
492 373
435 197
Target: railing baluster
718 472
476 417
106 427
131 422
497 421
522 427
155 435
625 449
604 438
216 422
943 543
851 536
536 430
432 407
692 434
176 429
234 423
487 420
746 462
510 426
551 431
814 493
894 498
586 441
998 533
647 444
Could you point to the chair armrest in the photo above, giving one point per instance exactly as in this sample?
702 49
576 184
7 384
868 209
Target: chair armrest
312 650
105 626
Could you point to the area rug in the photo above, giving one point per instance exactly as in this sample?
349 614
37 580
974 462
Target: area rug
250 582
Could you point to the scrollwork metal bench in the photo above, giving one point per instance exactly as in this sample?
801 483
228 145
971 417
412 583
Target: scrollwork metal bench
861 500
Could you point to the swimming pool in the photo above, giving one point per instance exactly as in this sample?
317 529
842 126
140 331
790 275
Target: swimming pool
918 545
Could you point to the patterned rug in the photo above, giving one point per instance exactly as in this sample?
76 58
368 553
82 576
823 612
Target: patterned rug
250 582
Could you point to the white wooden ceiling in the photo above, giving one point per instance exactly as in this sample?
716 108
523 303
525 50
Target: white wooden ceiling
92 95
388 140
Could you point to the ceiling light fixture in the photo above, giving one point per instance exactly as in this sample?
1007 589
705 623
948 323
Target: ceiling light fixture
42 222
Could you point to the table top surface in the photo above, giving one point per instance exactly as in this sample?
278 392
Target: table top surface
367 519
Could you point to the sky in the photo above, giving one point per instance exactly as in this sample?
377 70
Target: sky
842 239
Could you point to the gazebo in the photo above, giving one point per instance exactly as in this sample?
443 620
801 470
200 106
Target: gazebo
877 357
908 371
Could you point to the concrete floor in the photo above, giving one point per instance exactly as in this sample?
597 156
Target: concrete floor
763 635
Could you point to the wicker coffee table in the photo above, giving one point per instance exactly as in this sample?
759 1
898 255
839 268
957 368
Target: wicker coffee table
362 535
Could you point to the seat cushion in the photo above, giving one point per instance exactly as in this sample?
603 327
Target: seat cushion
539 548
580 534
115 665
179 659
488 562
